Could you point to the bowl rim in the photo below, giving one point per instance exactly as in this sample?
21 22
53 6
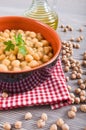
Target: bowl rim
44 64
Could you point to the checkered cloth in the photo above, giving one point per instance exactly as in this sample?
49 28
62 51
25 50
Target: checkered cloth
53 91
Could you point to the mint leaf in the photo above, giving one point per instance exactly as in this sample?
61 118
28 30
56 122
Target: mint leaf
9 45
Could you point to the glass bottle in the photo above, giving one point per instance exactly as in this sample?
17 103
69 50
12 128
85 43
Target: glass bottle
40 10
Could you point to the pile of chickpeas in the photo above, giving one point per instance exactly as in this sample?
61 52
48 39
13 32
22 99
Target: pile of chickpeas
38 49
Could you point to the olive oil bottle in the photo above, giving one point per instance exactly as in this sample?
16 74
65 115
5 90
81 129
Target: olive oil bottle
40 10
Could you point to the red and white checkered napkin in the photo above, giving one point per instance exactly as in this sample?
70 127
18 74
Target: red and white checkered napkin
53 92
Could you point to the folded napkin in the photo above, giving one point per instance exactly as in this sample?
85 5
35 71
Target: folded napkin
53 91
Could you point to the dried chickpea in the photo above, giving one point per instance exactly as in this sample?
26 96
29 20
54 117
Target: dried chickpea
82 98
71 114
18 124
4 94
65 127
82 86
83 107
72 95
60 122
6 126
66 69
69 88
44 117
77 90
40 123
53 127
80 81
73 108
77 100
78 75
82 93
28 116
73 76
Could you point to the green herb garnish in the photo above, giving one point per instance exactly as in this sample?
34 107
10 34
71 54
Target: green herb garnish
21 44
9 45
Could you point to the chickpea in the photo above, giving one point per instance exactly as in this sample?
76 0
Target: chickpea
77 90
18 124
3 67
60 122
40 123
53 127
44 117
39 36
28 58
73 108
4 94
71 114
6 126
28 115
33 63
16 63
82 98
77 100
65 127
45 58
32 34
83 108
6 62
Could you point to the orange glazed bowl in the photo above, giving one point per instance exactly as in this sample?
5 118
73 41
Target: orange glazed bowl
29 24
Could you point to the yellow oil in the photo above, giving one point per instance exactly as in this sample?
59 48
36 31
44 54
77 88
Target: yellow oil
43 13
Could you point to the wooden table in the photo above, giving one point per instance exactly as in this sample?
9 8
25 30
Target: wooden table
70 13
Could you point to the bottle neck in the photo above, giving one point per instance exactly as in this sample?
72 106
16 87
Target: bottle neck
40 3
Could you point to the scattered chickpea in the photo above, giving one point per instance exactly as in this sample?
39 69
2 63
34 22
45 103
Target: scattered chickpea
69 88
80 81
66 69
71 114
83 93
77 46
78 39
6 126
72 95
85 128
28 115
77 100
78 75
18 124
82 86
44 117
65 30
60 122
65 127
82 98
83 107
73 108
80 29
73 76
81 37
77 90
4 94
53 127
40 123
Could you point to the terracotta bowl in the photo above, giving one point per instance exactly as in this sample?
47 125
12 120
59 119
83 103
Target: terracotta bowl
18 22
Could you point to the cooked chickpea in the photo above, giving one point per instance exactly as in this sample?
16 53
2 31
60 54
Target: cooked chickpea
53 127
65 127
6 126
15 63
3 67
18 124
60 122
40 123
38 50
28 116
44 117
